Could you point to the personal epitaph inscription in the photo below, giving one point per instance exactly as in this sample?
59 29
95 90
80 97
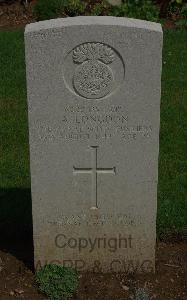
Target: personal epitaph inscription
94 171
93 100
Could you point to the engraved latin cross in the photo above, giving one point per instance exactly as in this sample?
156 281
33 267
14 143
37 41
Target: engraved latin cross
94 171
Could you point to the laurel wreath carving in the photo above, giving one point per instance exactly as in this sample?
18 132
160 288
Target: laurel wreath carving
93 51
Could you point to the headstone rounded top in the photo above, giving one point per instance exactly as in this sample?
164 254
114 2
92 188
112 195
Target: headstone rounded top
92 20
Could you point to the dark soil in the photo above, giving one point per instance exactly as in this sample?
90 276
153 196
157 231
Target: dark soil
15 15
16 276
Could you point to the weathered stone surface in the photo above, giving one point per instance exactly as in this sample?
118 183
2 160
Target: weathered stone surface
94 100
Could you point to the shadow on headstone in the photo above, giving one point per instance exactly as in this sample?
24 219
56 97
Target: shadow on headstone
16 224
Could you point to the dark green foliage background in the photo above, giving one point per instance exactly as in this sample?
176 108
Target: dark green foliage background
150 10
140 9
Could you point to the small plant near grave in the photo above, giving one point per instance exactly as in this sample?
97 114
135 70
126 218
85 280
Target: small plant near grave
57 282
141 295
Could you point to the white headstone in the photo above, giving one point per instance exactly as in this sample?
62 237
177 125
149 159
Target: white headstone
94 106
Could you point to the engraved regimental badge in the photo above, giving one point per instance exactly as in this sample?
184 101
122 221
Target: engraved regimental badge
93 70
93 77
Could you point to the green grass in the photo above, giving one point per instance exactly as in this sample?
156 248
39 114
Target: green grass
15 199
14 163
172 205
